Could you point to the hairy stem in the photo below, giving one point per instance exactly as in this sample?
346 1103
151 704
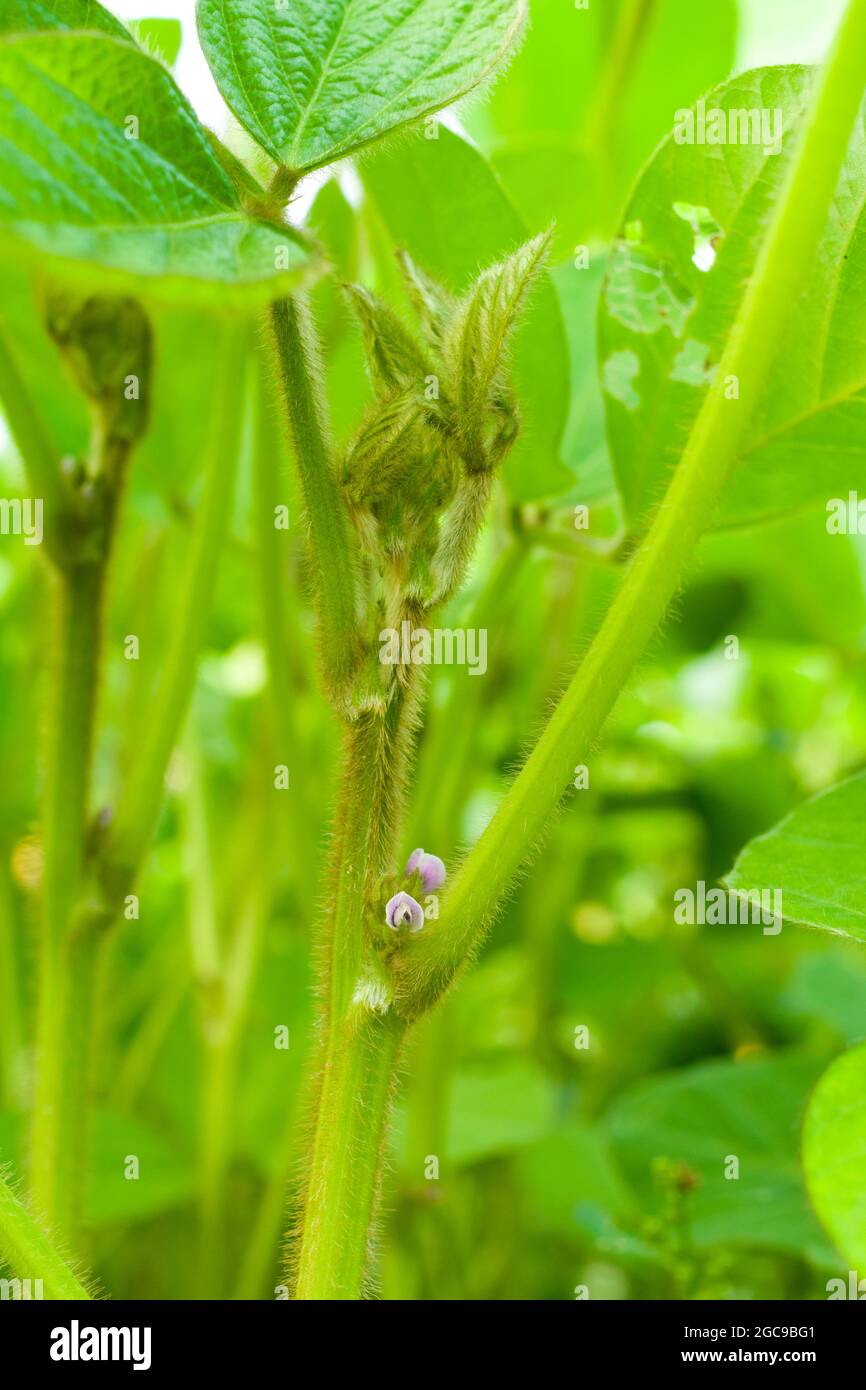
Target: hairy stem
346 1159
57 1106
334 561
361 1037
29 1253
431 961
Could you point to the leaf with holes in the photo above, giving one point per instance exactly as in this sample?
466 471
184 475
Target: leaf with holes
103 163
312 80
677 276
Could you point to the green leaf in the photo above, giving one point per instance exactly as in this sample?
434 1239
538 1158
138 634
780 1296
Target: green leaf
705 1114
312 80
440 200
164 1178
834 1141
664 320
161 37
19 16
815 858
498 1109
157 209
584 447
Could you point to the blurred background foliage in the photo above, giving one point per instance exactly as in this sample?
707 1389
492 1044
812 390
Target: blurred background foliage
558 1165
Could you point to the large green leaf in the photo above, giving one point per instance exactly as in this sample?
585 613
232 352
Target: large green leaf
706 1115
834 1143
664 320
441 201
313 80
159 208
18 16
815 858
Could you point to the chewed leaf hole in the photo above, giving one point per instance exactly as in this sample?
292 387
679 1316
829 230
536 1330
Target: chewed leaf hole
643 294
618 377
707 233
692 365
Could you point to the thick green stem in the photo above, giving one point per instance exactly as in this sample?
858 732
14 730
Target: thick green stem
346 1160
431 961
335 564
30 1255
361 1035
63 991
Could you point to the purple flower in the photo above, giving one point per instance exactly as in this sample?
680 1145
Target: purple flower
429 868
403 911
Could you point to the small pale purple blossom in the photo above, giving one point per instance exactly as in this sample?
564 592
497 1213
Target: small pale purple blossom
429 868
403 911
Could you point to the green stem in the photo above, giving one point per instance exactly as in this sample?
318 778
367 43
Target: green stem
30 1254
11 1021
346 1159
33 444
227 989
138 810
360 1044
432 960
57 1106
334 558
279 628
604 115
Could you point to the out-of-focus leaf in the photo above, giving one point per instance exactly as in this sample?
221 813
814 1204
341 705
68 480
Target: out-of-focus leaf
819 599
830 986
708 1114
814 857
440 200
114 1194
497 1109
312 80
586 101
572 1166
146 203
678 273
584 448
834 1141
164 1179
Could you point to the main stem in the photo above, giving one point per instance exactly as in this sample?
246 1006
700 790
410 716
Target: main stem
431 961
64 971
360 1042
